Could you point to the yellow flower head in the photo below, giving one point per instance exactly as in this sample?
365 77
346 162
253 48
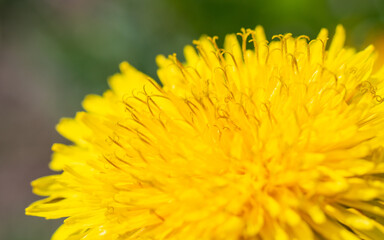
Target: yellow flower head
280 141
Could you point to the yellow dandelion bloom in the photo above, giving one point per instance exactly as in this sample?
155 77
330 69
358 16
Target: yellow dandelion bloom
379 46
281 140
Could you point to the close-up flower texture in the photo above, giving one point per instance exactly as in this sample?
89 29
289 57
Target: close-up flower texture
279 139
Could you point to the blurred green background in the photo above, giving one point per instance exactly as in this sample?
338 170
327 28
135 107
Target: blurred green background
54 52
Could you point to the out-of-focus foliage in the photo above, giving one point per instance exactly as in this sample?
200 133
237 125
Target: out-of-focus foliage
53 52
89 38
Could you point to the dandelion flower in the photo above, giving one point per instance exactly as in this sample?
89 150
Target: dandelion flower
275 140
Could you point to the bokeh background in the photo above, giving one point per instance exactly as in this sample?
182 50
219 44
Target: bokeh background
54 52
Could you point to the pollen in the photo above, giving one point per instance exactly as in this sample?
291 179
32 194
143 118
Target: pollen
281 140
